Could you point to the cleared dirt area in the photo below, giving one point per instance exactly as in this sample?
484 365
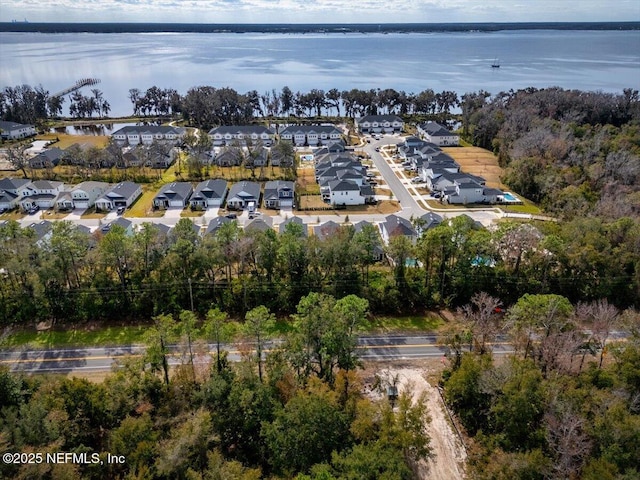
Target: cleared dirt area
448 454
478 161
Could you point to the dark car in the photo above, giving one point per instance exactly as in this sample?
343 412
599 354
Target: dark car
120 210
232 216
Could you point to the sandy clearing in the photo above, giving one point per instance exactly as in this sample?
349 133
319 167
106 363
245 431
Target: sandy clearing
449 455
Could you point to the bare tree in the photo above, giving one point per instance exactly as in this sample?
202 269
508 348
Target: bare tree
481 317
18 158
567 440
602 317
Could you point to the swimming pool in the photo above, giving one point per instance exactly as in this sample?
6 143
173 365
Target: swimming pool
509 198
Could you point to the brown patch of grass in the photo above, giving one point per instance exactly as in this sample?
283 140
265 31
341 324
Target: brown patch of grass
478 161
65 140
53 215
91 214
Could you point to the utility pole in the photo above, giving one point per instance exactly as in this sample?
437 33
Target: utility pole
191 295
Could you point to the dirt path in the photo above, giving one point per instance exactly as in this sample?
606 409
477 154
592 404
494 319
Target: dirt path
447 462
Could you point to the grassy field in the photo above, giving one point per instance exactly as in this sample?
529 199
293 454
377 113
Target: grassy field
478 161
65 140
143 206
128 335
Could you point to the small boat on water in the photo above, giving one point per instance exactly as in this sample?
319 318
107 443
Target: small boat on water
495 64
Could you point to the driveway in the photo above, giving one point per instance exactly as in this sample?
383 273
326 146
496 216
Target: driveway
173 212
76 214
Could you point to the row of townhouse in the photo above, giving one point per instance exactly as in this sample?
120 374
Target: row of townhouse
442 174
299 135
379 124
147 134
342 177
27 194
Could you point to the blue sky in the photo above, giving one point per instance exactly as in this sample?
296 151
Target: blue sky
319 11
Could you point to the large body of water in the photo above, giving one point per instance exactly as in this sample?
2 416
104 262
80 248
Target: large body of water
459 61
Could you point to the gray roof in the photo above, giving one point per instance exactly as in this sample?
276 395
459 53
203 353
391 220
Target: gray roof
272 188
245 190
294 219
435 129
13 183
216 223
123 222
306 129
325 230
395 225
430 220
343 186
41 229
492 191
8 126
210 189
379 118
243 129
45 184
259 224
123 189
163 129
175 191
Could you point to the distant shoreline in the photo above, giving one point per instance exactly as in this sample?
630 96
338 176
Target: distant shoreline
307 28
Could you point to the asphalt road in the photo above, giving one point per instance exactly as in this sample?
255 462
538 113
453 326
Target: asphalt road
78 360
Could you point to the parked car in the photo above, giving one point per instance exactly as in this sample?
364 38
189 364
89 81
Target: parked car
105 228
33 210
377 149
120 210
416 180
232 216
2 210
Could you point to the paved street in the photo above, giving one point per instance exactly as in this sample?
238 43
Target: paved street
387 347
405 193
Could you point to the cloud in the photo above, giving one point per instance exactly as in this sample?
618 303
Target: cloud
318 11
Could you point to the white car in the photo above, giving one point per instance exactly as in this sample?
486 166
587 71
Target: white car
416 180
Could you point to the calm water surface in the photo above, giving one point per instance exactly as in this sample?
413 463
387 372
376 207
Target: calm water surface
585 60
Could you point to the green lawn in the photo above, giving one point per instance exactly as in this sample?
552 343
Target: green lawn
127 335
105 336
411 324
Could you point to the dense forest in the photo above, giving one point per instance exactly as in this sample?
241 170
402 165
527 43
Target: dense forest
74 276
300 413
576 153
545 412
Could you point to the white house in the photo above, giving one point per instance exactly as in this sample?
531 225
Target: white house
311 135
15 131
41 193
83 195
12 191
227 134
379 124
435 133
345 192
147 134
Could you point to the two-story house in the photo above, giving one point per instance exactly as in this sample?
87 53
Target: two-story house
41 193
11 192
379 124
15 131
244 195
311 135
227 134
147 134
435 133
278 194
83 195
